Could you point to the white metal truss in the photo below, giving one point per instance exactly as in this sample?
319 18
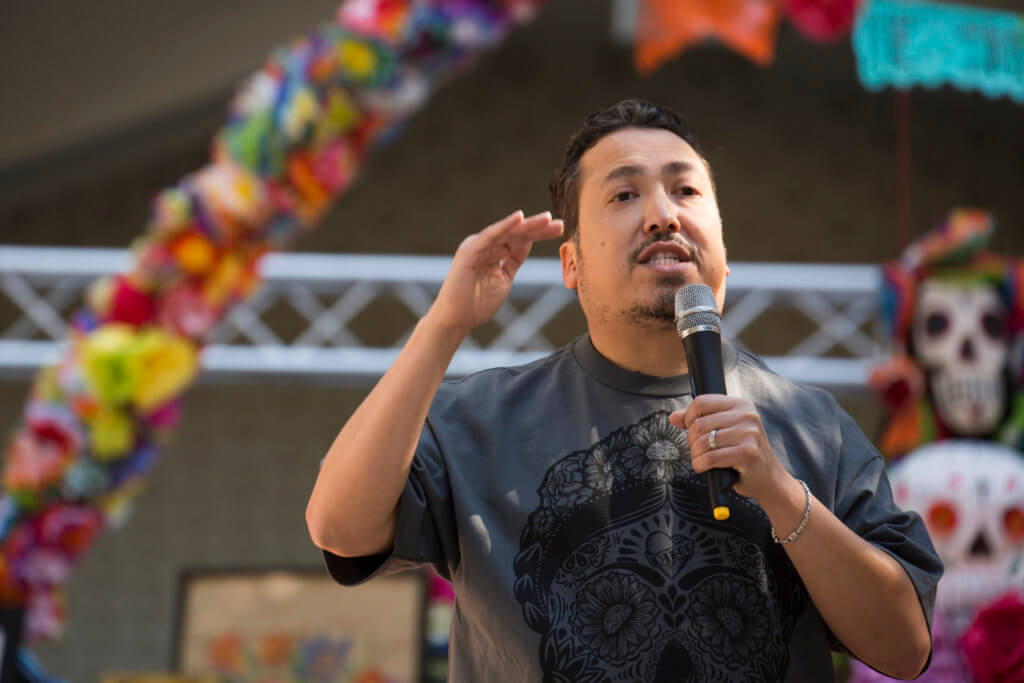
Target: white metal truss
326 293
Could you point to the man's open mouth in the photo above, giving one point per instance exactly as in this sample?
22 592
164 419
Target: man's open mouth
664 254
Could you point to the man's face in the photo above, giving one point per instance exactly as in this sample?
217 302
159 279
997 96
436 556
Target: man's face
648 225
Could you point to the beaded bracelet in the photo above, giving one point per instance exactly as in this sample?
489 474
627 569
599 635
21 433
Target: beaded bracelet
803 523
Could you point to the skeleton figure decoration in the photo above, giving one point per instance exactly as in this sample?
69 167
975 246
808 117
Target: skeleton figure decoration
953 394
955 313
960 337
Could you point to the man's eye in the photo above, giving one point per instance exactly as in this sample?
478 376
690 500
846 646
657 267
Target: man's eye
623 196
688 190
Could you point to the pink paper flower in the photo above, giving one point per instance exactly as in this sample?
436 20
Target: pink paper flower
31 465
69 528
184 311
994 642
45 615
823 21
129 303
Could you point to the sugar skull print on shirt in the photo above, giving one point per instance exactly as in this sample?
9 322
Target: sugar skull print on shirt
626 576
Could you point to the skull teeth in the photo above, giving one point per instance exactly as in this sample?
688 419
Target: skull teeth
969 405
953 390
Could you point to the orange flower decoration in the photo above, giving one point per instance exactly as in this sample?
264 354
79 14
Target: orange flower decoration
276 648
224 653
194 252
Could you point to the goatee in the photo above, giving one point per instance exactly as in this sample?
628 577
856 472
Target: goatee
661 311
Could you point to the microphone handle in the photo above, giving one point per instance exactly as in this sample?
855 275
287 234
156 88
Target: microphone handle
707 376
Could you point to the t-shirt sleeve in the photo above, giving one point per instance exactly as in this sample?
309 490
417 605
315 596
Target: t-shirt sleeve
425 531
864 503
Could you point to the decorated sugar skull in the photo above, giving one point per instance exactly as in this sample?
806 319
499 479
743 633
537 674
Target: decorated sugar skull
955 313
971 496
960 337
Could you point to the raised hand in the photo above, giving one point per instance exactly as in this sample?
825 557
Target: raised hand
484 266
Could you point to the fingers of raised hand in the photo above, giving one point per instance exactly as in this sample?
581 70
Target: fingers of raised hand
481 241
517 228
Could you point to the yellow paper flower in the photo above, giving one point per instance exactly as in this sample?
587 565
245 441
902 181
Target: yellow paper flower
147 368
111 433
340 114
301 113
357 58
167 365
110 366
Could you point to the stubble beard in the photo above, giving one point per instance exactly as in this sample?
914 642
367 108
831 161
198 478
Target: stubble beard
659 313
656 315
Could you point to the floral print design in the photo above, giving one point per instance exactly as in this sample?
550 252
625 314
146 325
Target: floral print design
597 471
615 614
657 450
627 577
730 617
564 487
653 450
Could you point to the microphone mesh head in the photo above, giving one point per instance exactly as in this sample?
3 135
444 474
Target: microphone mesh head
695 305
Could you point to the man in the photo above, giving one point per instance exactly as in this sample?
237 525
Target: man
566 500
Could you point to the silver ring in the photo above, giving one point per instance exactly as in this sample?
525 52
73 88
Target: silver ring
712 444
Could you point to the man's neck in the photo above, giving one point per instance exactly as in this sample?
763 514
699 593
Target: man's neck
654 351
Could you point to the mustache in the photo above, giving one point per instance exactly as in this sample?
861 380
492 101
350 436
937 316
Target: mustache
691 249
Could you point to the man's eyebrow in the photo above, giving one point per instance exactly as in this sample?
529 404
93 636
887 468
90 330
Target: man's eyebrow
671 168
676 167
623 172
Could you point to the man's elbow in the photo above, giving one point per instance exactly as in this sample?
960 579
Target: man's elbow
321 531
344 541
909 661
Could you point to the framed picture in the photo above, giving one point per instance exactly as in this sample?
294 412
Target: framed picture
287 625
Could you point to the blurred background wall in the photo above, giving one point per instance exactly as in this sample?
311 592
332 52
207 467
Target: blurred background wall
105 103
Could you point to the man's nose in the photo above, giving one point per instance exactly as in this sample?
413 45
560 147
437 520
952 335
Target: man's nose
661 214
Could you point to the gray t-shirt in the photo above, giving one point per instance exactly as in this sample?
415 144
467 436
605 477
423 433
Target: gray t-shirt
562 504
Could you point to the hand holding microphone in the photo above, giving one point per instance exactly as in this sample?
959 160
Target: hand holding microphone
699 326
725 433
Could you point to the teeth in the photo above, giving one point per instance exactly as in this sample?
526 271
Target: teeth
664 259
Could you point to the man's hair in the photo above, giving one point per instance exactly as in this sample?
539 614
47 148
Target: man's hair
631 113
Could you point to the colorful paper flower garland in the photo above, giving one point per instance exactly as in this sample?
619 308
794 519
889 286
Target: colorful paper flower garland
297 133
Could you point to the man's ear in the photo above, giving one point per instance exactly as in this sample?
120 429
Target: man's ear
567 252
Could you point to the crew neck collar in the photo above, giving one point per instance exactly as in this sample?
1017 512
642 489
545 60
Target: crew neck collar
607 372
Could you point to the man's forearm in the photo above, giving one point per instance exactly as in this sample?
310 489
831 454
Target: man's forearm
862 593
352 508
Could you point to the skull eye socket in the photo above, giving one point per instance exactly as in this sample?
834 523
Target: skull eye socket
936 324
994 324
1013 523
942 517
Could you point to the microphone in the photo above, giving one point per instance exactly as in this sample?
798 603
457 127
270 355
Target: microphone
699 326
